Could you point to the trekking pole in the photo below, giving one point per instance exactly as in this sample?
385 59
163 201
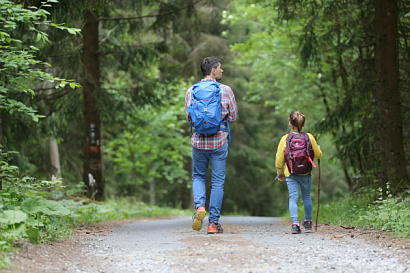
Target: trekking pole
318 190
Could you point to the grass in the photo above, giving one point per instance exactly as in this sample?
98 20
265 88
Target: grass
366 210
117 209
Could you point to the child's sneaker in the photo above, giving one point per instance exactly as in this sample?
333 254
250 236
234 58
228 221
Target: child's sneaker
296 229
214 228
307 224
198 217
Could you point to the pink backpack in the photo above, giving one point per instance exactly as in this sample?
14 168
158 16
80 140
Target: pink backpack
299 153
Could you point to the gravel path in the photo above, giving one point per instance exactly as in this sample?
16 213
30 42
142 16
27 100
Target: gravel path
249 244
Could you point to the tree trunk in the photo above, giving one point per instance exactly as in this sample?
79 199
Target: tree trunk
55 157
54 154
1 147
91 85
388 96
152 192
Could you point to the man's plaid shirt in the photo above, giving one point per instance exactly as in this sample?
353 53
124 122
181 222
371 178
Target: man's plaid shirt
229 111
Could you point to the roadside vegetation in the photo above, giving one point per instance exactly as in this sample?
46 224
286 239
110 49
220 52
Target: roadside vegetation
370 209
366 208
46 211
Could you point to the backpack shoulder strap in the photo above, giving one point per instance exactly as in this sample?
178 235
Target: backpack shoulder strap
289 138
305 135
226 121
307 148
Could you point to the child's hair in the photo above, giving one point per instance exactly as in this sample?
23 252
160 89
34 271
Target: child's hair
297 120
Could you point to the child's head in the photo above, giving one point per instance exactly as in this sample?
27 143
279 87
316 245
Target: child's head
297 120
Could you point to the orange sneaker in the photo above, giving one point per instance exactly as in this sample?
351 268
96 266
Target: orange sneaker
214 228
198 217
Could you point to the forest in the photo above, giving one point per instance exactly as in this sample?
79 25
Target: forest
92 96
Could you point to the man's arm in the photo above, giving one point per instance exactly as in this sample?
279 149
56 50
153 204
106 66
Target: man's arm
232 107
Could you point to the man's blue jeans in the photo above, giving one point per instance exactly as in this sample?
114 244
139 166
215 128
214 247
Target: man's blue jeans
305 183
200 160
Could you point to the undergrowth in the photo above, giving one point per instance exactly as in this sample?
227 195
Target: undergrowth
366 209
45 211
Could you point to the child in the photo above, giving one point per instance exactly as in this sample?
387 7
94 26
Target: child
294 181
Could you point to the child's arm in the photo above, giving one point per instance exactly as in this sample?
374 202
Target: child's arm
316 148
280 156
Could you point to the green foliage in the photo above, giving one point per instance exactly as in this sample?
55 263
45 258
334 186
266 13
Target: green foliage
271 55
391 214
115 209
317 57
152 145
19 66
27 211
24 212
267 56
12 217
388 214
39 206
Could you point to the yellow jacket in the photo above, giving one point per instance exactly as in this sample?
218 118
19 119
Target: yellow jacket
280 154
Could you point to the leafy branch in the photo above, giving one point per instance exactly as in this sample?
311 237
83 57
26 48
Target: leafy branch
18 63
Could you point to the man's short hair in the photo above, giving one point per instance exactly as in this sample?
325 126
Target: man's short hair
208 63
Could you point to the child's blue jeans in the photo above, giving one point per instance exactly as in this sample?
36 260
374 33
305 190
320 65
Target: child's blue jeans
295 181
201 160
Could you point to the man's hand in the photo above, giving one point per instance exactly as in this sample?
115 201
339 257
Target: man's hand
281 177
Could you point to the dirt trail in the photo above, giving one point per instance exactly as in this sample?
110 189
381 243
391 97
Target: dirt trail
249 244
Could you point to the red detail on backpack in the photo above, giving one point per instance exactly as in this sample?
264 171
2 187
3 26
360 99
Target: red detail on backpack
299 153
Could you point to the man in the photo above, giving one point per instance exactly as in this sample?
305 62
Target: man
212 148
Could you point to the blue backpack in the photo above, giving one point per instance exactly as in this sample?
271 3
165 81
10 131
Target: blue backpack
205 109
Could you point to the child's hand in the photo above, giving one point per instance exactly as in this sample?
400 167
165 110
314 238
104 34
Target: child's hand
281 177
